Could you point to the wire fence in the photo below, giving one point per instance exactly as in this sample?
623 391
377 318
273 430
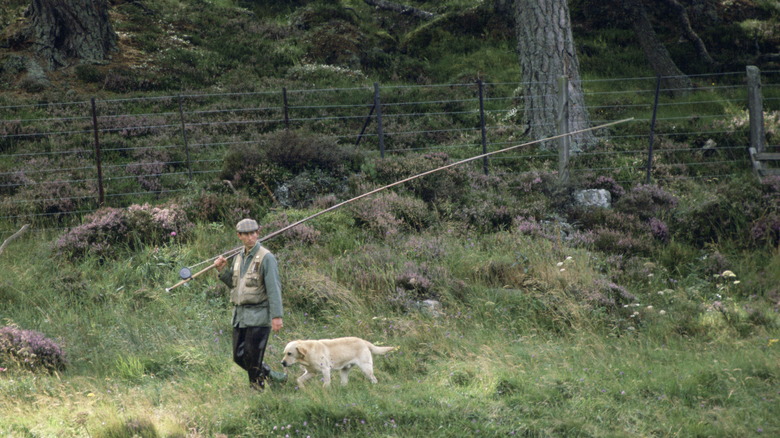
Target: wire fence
66 159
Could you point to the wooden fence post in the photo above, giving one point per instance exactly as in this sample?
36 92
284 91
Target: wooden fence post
564 143
380 133
652 130
98 158
184 136
755 109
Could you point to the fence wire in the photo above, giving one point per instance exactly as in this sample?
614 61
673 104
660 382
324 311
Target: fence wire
55 156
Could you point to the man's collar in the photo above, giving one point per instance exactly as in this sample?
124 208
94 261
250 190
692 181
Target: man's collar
253 250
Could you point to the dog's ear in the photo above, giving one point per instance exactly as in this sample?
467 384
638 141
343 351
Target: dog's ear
301 351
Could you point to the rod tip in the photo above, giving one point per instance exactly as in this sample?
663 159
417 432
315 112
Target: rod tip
167 289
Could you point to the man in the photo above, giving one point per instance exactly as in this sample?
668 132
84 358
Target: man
256 294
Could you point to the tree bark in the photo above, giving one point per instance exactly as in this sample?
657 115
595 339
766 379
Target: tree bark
545 47
673 80
66 30
690 34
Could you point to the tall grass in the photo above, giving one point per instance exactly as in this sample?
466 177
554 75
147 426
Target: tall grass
516 351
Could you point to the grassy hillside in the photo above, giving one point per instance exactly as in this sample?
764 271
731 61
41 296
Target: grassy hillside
656 317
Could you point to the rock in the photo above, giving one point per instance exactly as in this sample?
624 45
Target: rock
594 198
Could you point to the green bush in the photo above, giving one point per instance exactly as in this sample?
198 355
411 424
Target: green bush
297 151
388 213
448 184
90 73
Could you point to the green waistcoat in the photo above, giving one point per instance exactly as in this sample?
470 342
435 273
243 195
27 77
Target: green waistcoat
260 276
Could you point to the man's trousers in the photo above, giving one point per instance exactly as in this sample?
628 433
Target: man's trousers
248 351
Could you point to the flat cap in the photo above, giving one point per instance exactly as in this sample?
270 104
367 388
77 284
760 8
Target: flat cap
246 226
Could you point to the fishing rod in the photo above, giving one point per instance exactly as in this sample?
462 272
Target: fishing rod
186 274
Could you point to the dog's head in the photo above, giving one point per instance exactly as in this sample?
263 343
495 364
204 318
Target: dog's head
294 351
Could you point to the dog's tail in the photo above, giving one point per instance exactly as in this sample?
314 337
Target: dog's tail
380 350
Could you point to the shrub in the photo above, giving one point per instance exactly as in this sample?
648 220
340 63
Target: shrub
154 224
766 230
302 190
297 151
646 201
302 234
89 73
11 182
229 208
389 213
107 230
487 215
98 235
30 349
727 211
446 185
245 168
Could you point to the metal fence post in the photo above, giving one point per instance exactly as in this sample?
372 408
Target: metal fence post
98 158
184 136
652 129
365 125
482 125
755 108
380 133
563 128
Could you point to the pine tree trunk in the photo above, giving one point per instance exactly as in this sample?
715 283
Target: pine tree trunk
673 80
545 46
67 30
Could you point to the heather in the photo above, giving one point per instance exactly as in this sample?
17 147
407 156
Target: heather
508 300
30 350
517 311
108 231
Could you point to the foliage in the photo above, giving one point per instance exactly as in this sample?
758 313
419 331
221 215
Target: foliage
444 185
110 230
734 210
553 321
389 214
30 350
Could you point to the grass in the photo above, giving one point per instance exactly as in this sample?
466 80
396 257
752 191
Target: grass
514 353
519 349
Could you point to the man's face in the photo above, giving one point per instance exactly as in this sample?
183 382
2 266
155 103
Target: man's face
248 239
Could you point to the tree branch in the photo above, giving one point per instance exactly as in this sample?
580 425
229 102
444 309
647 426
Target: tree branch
401 9
687 29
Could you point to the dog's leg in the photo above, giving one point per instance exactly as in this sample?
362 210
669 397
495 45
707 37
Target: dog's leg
344 376
368 370
326 377
304 377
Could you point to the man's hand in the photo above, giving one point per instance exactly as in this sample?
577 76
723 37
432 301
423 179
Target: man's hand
276 324
220 263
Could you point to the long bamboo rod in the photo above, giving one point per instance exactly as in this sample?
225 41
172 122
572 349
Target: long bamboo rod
420 175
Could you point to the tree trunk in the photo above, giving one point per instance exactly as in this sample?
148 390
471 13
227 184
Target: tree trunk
672 79
545 46
67 30
690 34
